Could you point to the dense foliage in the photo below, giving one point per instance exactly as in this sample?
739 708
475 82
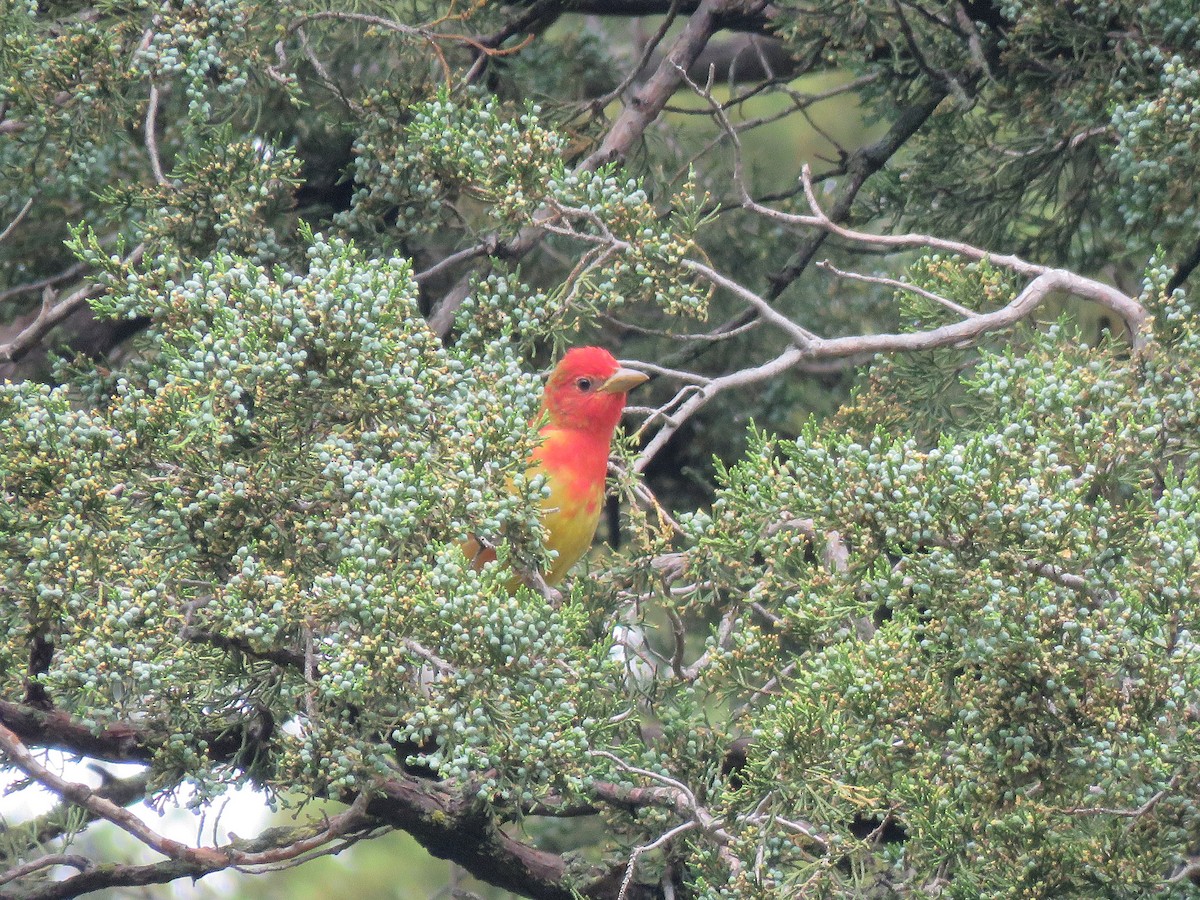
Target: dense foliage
902 597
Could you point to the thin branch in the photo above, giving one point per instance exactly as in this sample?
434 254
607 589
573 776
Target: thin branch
707 337
49 281
673 794
664 838
955 308
151 136
956 334
54 313
800 336
702 394
82 863
429 656
650 99
860 166
1129 310
12 226
484 248
1135 813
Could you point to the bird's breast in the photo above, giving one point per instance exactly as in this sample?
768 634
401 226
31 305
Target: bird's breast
575 469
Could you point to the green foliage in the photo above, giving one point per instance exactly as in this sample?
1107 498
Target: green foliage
1022 706
291 462
1055 102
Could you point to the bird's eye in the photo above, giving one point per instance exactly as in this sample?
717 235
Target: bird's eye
584 384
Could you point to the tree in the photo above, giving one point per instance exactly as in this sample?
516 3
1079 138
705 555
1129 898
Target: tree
277 281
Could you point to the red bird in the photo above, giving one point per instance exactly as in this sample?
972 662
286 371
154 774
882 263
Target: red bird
581 406
584 398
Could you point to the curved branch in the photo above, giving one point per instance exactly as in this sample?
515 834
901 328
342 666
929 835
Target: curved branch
458 827
955 334
1131 312
197 861
65 817
53 313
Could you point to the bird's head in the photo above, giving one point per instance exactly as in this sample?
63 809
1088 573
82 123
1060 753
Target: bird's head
586 391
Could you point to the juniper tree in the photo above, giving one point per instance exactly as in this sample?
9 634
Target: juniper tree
901 597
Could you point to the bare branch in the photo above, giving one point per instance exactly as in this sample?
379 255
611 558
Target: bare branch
860 166
800 336
200 859
40 285
12 226
900 286
675 795
1127 308
18 755
67 818
45 862
958 333
54 313
151 136
662 839
700 395
482 249
1135 813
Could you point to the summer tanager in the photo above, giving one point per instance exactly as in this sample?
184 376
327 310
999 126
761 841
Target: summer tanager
581 406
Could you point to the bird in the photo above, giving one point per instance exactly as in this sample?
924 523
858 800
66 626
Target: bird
581 406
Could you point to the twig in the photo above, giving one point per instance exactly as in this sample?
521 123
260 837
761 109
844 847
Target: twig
12 226
800 336
207 859
429 656
645 848
598 103
54 313
900 286
49 281
151 137
82 863
323 73
673 794
1136 813
484 248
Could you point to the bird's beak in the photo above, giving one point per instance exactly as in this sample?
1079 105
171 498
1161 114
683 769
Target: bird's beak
622 381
